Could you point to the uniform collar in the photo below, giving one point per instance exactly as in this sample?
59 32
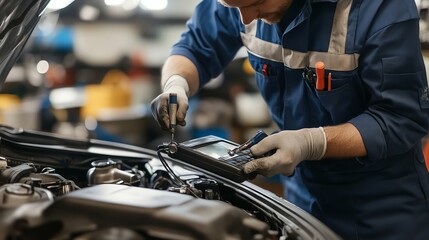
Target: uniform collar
305 13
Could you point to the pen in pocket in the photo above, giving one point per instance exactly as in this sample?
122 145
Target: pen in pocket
329 81
266 70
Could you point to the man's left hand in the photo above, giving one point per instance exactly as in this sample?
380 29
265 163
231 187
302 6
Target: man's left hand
291 147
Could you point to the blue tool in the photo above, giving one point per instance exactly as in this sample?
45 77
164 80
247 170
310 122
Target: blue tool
249 143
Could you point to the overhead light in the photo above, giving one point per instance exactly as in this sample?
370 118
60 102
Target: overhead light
153 5
114 2
89 13
121 8
42 67
68 97
58 4
130 5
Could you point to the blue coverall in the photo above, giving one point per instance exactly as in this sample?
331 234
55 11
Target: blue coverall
371 48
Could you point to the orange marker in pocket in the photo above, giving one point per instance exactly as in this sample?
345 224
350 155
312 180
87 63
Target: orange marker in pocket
320 76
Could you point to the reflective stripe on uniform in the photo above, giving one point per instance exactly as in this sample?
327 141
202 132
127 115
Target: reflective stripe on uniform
335 59
337 43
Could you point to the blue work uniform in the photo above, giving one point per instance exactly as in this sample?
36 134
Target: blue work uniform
371 48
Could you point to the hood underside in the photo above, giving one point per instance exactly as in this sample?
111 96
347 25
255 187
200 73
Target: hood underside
17 20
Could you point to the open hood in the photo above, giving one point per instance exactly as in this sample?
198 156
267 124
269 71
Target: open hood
17 21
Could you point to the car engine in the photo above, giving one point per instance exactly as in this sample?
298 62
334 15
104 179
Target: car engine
53 187
115 199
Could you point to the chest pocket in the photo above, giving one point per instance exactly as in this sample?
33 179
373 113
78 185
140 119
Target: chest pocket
345 100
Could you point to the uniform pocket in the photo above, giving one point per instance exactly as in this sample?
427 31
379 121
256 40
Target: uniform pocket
345 100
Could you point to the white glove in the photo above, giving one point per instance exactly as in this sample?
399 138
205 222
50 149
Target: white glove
291 147
174 84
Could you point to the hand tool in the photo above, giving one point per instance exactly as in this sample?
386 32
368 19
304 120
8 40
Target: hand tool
249 143
172 110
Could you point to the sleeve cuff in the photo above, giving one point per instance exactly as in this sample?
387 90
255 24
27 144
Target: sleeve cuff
373 138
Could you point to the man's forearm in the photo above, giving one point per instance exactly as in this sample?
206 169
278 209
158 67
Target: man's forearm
184 67
344 141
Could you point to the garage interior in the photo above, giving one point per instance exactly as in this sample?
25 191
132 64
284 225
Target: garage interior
91 69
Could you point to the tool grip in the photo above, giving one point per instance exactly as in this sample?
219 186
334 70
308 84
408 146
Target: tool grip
258 137
249 143
172 109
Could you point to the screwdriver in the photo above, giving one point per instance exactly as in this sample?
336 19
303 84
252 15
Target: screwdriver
172 110
249 143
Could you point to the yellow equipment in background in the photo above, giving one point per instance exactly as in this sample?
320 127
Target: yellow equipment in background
113 92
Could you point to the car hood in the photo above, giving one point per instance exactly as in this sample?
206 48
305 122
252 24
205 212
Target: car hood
17 21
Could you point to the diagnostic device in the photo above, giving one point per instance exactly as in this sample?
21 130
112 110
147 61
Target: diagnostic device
211 153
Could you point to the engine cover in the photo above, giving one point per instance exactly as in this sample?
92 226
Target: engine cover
158 214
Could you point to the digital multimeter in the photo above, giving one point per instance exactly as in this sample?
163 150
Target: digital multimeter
211 153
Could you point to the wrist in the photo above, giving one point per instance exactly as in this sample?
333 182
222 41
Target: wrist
316 142
177 84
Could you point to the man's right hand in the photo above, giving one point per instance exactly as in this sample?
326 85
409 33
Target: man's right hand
175 84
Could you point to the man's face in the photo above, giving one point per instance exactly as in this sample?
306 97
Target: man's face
270 11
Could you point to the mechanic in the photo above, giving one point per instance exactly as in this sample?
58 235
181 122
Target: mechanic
349 152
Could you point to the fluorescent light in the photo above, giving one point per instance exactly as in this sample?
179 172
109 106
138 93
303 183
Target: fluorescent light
114 2
68 97
155 5
130 5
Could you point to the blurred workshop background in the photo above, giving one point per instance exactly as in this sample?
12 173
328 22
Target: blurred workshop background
92 67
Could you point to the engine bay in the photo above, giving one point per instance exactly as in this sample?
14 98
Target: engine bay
57 188
136 202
